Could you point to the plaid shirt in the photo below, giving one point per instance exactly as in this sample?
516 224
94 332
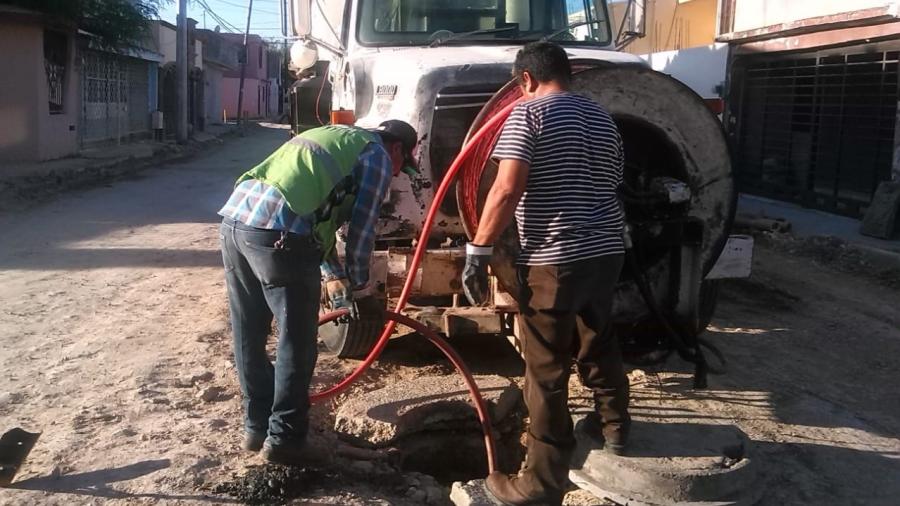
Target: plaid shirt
259 205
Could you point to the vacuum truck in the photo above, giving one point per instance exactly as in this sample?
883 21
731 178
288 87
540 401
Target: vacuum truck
445 66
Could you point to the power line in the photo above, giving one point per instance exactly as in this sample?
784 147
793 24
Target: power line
222 22
244 7
217 17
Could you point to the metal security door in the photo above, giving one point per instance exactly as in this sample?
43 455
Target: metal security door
818 129
104 113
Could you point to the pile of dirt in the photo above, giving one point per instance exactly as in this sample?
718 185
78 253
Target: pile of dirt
274 484
345 482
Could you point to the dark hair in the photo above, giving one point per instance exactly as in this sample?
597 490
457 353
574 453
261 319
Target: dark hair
545 61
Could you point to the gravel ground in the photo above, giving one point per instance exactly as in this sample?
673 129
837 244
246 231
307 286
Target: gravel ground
115 346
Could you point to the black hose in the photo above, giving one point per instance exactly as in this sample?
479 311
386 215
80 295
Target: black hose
690 354
651 358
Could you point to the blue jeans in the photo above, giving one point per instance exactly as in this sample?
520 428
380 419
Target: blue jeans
265 280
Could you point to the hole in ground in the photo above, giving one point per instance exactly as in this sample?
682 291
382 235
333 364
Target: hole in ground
460 455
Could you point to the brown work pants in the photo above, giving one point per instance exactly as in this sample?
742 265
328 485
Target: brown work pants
566 311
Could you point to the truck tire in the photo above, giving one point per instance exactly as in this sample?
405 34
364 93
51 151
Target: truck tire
351 340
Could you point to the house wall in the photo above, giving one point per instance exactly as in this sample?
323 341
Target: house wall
257 86
166 43
257 67
251 105
672 24
212 77
753 14
701 68
198 54
29 131
21 48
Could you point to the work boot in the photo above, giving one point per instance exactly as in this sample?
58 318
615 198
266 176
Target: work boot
253 442
611 437
302 455
516 491
543 479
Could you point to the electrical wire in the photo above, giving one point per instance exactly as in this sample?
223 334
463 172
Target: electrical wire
216 17
232 4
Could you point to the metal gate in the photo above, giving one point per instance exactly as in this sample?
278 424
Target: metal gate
817 129
115 97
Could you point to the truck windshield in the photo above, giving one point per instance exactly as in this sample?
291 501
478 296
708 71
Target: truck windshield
433 22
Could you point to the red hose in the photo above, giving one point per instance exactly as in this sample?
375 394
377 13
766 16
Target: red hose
456 360
489 127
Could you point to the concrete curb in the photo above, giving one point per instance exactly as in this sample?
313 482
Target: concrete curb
880 258
27 190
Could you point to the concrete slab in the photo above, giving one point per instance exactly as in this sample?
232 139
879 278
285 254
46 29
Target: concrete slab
427 403
677 464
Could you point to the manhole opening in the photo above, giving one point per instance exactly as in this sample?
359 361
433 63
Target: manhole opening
458 455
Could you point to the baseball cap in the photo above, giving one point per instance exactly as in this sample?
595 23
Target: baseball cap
395 130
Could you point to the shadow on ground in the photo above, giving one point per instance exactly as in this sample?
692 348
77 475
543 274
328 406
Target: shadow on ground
98 483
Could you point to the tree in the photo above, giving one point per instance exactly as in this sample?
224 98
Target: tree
115 23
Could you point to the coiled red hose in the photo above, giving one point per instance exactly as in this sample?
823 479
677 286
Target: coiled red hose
490 128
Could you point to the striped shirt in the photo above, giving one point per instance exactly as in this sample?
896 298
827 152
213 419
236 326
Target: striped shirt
259 205
570 210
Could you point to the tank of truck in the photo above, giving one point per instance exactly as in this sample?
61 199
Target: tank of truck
444 66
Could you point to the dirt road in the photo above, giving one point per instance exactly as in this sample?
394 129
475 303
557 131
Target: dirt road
115 346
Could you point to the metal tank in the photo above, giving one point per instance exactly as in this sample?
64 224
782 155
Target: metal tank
679 195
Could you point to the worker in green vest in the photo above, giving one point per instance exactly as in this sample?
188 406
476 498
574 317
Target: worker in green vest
278 245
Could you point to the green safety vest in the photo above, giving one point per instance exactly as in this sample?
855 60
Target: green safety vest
313 172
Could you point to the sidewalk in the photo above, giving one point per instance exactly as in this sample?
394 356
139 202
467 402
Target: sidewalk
25 183
810 222
826 231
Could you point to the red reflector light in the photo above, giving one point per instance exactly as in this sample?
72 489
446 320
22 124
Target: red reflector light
716 105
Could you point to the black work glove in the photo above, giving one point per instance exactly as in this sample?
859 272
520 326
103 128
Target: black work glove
475 275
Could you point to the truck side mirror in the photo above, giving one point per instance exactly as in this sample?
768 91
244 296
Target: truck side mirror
301 17
634 23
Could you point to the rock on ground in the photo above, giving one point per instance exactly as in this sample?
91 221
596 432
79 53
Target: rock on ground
470 493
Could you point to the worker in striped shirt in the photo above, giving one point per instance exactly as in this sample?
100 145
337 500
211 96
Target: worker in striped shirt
561 162
278 244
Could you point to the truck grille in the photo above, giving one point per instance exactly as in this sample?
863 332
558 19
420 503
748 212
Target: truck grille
454 111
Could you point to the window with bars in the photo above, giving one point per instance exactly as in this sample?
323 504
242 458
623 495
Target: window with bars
818 129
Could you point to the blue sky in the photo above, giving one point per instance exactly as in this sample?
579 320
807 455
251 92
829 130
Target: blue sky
266 20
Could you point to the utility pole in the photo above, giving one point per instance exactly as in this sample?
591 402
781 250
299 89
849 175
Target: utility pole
284 56
240 111
181 86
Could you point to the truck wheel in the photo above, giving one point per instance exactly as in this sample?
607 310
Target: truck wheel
351 340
